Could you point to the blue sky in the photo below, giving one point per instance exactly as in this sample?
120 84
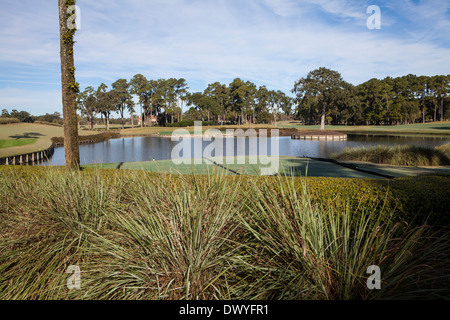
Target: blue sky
269 42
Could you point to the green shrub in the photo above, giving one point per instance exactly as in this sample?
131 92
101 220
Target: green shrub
264 117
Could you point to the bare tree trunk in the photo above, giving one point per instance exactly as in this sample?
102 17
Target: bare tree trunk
71 147
140 116
435 108
181 113
121 116
151 115
322 122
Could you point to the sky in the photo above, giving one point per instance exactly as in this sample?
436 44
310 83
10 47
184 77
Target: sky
267 42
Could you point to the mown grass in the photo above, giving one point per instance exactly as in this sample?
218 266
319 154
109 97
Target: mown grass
43 134
138 235
398 155
9 143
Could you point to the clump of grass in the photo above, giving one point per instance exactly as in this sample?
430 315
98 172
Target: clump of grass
172 242
47 222
398 155
301 250
445 148
136 235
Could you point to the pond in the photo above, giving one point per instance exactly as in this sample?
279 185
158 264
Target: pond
137 149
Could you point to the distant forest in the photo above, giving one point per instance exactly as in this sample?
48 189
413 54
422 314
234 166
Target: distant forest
322 97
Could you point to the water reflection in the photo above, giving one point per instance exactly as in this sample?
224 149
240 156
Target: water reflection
148 148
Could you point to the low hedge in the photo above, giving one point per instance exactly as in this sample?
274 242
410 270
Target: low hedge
9 120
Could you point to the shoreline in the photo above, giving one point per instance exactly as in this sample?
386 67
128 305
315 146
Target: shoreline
283 132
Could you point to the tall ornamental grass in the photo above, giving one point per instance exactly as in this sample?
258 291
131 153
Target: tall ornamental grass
136 235
303 250
398 155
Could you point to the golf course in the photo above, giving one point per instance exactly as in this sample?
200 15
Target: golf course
16 139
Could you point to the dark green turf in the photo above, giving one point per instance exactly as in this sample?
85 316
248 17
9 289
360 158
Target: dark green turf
243 166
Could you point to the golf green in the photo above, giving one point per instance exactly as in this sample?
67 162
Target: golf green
244 166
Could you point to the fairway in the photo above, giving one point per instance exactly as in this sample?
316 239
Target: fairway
10 143
38 135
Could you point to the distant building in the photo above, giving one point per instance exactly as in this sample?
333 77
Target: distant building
151 120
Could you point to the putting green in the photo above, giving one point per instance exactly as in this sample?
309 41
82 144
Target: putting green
243 166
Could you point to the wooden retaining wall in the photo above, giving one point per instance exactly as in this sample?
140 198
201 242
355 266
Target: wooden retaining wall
27 158
319 137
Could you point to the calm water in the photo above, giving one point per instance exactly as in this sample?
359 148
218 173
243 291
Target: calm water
148 148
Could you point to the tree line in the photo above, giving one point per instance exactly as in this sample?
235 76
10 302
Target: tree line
322 97
25 116
163 99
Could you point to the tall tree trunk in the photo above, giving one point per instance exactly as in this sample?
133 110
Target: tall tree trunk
141 117
121 116
323 117
71 147
435 109
151 115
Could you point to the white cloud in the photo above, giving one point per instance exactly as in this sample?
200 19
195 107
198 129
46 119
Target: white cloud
35 101
272 42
